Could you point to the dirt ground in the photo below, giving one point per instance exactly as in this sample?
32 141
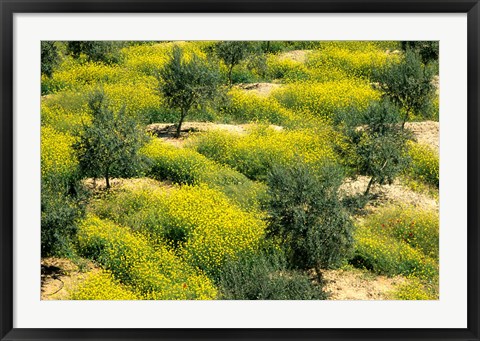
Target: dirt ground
60 275
295 55
261 89
354 284
427 132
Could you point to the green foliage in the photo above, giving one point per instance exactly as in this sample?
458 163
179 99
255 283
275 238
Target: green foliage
307 215
428 50
101 285
50 58
376 143
153 272
97 51
187 83
263 275
425 164
110 144
62 208
408 84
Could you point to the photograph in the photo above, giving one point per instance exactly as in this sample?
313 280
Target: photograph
240 170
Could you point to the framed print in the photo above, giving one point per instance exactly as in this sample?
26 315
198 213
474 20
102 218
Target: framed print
239 170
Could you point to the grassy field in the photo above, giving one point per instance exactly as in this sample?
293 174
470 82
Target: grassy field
239 170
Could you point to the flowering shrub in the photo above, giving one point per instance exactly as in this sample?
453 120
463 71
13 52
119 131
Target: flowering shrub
186 166
101 285
147 59
357 63
246 106
286 69
201 222
255 153
72 74
328 98
153 272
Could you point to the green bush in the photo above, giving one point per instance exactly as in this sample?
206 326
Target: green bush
263 275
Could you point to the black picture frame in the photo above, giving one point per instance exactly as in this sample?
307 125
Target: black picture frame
10 7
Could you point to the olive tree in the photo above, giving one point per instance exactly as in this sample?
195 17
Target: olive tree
186 83
49 57
307 215
109 145
232 53
376 143
408 84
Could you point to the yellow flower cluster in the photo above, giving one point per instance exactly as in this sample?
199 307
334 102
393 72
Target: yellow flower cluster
326 99
216 229
148 59
64 111
286 69
101 285
153 272
74 75
253 154
246 106
355 63
56 153
208 226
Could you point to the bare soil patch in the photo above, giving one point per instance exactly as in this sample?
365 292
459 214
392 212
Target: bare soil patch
166 131
295 55
427 132
98 186
383 195
261 89
59 276
359 284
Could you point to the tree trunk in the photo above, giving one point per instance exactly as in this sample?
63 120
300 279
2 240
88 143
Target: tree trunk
370 183
107 180
405 119
318 271
230 75
179 126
